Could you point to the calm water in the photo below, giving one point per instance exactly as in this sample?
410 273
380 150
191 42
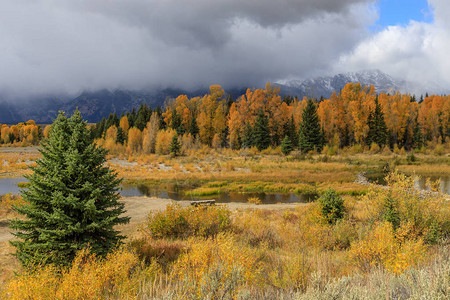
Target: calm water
177 192
9 185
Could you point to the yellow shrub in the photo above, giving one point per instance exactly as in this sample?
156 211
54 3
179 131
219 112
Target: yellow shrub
205 256
380 248
87 278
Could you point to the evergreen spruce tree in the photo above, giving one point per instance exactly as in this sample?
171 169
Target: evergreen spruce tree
112 120
120 136
378 132
100 128
193 127
142 117
310 134
418 138
286 145
72 199
177 123
261 132
248 140
292 133
175 146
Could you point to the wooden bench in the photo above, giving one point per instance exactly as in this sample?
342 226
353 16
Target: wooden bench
203 202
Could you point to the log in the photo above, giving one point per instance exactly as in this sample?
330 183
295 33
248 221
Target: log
203 202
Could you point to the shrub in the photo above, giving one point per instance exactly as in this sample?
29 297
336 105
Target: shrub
374 148
403 204
391 213
332 206
182 222
115 277
254 200
8 201
161 251
439 149
382 248
411 158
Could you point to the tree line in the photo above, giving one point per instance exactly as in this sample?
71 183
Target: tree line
261 118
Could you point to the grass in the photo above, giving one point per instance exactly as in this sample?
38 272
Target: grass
261 254
233 172
212 252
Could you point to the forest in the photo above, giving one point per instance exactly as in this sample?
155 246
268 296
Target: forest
357 115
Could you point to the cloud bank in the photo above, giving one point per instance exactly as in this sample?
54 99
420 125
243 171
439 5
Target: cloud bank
64 46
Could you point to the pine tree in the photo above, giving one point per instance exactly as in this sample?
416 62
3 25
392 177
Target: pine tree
418 138
292 132
142 117
193 127
175 145
120 136
72 199
286 145
378 132
248 140
310 134
261 132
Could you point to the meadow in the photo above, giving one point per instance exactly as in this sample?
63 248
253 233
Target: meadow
386 241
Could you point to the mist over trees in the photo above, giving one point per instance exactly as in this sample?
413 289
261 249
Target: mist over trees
261 118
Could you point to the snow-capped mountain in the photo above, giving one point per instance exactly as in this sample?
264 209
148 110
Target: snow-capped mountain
326 85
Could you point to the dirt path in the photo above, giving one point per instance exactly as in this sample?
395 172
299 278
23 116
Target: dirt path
139 207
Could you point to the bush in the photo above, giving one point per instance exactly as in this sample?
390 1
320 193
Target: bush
381 247
161 251
411 158
254 200
182 222
391 213
88 277
332 206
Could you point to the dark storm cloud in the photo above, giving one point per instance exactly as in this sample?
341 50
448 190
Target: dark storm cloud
52 46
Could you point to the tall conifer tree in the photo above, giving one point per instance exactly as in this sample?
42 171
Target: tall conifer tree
378 132
72 199
310 134
261 132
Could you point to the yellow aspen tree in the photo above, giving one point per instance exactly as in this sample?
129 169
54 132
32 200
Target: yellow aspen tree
124 124
134 140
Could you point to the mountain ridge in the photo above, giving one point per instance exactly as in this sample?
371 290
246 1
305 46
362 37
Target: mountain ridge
95 105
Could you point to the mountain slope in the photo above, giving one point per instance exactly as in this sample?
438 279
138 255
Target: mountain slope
325 86
98 104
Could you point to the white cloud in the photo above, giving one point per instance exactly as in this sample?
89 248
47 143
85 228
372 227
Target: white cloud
415 52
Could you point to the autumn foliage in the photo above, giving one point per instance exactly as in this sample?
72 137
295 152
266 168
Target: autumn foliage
349 117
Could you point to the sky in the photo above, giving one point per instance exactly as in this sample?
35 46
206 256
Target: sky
66 46
401 12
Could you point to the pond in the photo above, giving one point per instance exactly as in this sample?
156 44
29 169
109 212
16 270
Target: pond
177 192
9 185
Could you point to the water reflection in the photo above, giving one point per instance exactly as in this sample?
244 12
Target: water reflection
9 185
177 192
